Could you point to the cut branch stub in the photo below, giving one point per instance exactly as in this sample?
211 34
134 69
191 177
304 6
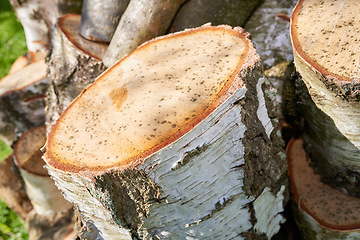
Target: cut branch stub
326 54
135 144
99 19
322 211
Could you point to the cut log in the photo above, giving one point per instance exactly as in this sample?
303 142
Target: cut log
22 101
44 196
99 19
12 191
175 141
195 13
52 214
26 59
325 39
74 63
142 21
322 212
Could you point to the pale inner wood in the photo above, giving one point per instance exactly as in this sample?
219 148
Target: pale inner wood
27 151
328 32
24 77
146 99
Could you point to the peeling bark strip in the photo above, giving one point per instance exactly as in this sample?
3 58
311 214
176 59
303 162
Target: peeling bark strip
326 54
163 145
142 21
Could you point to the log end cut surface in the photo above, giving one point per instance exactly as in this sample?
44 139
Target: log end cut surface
331 208
149 99
23 78
326 35
27 151
69 25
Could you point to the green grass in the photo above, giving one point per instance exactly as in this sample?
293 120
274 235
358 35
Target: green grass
12 38
12 45
5 150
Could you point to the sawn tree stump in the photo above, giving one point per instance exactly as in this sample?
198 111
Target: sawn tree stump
175 140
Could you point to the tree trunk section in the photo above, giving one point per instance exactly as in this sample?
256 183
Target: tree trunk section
225 178
325 55
73 64
320 211
22 101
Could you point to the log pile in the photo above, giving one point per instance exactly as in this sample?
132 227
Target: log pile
178 138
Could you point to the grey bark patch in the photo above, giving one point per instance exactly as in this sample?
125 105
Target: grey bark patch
127 195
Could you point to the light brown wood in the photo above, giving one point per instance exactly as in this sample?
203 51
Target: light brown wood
138 99
12 190
40 188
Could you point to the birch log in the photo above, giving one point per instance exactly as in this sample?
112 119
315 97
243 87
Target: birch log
325 39
50 218
36 17
321 211
22 101
175 141
142 21
74 62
